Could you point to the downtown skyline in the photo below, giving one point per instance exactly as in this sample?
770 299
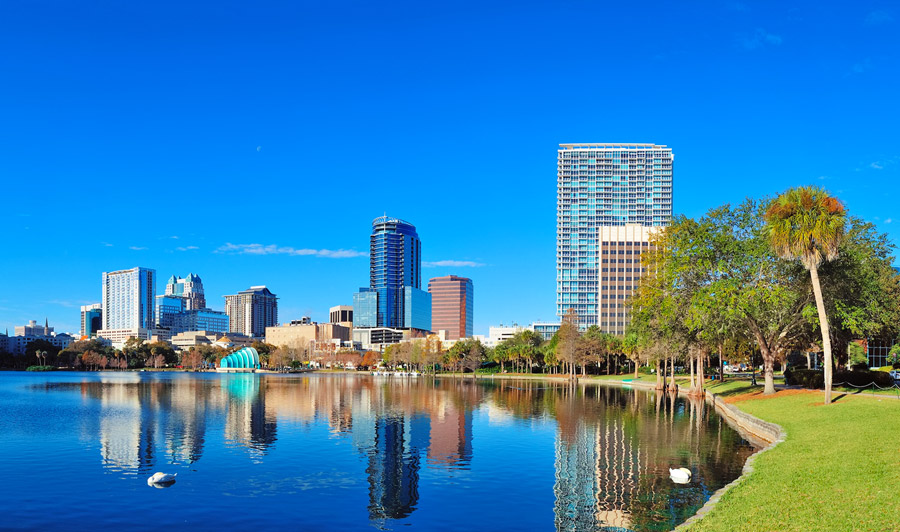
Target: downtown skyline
231 136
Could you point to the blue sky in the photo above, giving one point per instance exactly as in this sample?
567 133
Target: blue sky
224 138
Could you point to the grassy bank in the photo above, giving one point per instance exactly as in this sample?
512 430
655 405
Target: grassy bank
839 468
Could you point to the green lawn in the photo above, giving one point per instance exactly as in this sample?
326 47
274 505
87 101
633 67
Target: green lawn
731 386
839 468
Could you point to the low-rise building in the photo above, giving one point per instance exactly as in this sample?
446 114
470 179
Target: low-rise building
376 338
118 337
546 330
188 339
33 329
17 345
297 334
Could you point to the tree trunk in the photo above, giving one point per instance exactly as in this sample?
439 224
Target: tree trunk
826 335
768 369
659 376
672 373
700 376
635 369
693 381
721 364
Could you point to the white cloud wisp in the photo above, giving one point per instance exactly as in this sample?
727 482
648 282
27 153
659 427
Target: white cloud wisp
272 249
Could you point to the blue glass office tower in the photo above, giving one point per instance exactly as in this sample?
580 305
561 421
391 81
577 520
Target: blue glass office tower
365 308
395 262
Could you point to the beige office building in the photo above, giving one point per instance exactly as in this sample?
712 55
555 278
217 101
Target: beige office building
619 259
297 335
341 315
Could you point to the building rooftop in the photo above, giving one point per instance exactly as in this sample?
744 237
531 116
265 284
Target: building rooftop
609 145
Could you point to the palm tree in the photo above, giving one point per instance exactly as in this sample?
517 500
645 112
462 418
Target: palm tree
806 223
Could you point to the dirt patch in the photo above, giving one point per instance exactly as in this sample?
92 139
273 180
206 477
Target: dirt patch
758 395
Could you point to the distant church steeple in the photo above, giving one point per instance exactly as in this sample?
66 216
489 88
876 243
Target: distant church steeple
46 327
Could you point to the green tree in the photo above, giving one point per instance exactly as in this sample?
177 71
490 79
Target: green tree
41 351
856 354
861 289
806 223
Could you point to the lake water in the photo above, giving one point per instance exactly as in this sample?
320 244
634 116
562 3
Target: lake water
351 452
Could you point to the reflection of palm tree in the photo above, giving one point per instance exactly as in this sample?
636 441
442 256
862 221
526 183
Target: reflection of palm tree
806 223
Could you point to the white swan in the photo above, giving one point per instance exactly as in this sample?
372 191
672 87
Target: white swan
682 475
161 478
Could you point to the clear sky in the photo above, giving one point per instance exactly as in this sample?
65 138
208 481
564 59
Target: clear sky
224 138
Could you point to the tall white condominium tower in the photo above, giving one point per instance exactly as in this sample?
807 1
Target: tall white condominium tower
127 304
603 185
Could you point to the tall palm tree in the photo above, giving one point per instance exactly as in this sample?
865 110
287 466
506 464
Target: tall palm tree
808 224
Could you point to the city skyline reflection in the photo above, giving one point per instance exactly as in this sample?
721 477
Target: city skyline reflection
611 448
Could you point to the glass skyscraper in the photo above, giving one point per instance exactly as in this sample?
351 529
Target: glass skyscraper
395 262
602 185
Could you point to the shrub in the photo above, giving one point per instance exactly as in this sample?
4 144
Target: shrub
807 378
815 379
40 368
864 378
645 370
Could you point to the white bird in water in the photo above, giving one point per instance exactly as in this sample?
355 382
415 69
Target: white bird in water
161 480
682 475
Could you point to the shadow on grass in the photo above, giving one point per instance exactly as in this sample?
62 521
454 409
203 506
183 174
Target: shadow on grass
839 397
732 388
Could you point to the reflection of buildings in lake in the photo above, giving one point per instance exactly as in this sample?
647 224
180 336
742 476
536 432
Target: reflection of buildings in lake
575 487
187 433
246 422
597 469
394 465
497 414
121 441
451 436
618 467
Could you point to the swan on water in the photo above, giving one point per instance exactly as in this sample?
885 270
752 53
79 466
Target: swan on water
682 475
161 478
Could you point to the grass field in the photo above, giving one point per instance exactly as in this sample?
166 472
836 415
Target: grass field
839 468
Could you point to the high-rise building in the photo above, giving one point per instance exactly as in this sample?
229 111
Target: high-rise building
620 272
395 279
168 311
395 262
416 309
127 304
173 316
603 185
451 306
190 288
91 319
365 308
251 311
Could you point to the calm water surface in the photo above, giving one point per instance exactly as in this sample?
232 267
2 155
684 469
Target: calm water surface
329 452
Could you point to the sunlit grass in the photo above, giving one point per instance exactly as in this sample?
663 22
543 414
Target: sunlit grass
839 468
